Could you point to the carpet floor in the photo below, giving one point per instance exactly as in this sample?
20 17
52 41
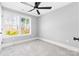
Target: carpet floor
36 48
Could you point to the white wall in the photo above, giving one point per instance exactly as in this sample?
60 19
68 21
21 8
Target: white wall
33 25
78 20
0 26
61 25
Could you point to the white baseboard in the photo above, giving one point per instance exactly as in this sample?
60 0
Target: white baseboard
71 48
49 41
17 42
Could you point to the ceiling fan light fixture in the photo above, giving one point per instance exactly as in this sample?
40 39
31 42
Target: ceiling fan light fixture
36 7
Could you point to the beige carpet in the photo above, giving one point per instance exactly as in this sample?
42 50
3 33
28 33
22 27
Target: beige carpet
36 48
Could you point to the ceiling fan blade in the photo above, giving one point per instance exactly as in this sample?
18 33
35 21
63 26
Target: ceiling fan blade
44 7
37 4
38 12
27 4
30 10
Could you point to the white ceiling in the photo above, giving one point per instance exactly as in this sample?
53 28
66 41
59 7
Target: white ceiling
25 8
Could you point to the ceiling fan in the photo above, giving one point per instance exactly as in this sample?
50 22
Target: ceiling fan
36 7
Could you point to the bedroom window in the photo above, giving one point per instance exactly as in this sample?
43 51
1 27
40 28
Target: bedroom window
25 25
14 25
